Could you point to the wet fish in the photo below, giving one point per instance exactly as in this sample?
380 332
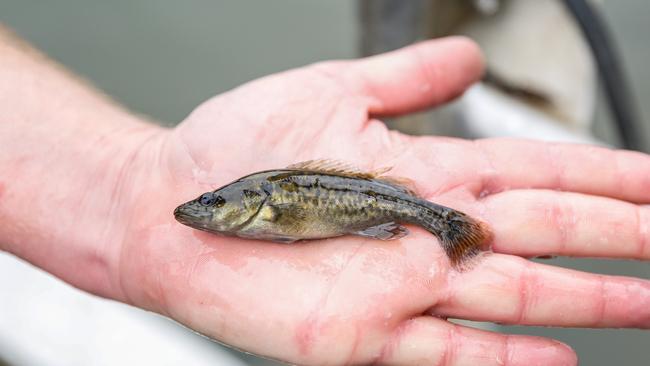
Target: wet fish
324 198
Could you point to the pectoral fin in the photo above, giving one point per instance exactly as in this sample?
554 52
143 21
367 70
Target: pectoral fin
387 231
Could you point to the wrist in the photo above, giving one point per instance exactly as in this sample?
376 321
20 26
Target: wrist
64 168
63 200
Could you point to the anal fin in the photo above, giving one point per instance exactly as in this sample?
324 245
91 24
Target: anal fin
386 231
283 239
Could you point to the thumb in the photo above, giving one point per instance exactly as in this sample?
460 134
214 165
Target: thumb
415 77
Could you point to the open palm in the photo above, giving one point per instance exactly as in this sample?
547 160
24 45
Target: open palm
352 300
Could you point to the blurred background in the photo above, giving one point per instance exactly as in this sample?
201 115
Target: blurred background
557 70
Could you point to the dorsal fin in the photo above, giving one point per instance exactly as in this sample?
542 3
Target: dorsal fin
331 166
337 167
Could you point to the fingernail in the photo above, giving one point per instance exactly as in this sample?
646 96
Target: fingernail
533 351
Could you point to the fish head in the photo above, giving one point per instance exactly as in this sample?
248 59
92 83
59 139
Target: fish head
223 211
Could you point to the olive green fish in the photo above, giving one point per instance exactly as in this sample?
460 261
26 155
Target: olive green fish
324 198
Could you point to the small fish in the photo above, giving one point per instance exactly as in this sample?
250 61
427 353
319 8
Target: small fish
324 198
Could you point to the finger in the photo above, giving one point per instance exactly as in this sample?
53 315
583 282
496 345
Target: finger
570 167
513 290
431 341
414 77
539 222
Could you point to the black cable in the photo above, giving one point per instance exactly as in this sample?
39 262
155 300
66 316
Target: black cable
617 91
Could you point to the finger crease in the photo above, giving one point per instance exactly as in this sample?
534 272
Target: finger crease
564 221
525 285
506 351
450 350
642 230
601 302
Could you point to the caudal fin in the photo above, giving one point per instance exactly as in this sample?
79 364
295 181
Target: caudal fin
461 236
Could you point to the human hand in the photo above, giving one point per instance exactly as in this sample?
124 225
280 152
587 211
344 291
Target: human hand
352 300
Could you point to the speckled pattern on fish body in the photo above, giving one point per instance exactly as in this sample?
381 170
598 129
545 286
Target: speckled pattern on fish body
322 199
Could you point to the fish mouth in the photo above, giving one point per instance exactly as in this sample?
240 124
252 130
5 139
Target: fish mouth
187 215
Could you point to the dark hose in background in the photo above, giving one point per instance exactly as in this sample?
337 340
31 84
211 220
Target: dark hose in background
619 96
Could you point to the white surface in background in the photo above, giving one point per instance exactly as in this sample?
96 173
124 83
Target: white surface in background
487 112
537 45
44 321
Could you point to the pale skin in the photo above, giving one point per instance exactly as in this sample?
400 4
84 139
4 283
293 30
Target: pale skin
87 192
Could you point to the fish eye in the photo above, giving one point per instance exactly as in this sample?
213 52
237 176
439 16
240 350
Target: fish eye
210 199
207 199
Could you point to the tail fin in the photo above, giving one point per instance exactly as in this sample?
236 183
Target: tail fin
461 236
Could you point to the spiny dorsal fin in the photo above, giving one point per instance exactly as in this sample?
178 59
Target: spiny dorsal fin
331 166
